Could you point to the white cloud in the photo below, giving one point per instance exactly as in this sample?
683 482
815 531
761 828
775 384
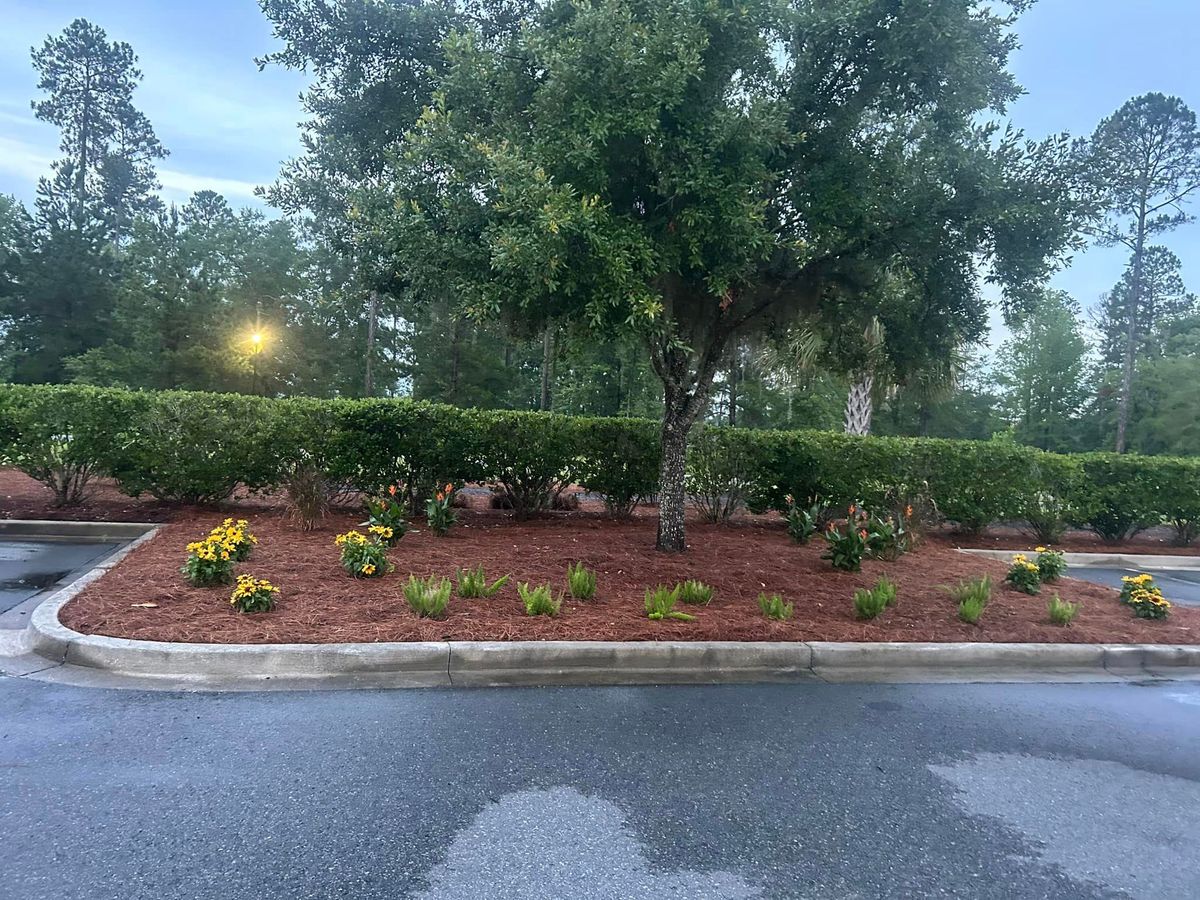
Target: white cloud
22 160
181 185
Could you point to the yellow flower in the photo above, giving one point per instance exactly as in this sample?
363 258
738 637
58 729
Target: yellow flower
1039 549
368 569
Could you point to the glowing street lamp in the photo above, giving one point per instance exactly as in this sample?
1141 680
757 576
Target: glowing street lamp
256 345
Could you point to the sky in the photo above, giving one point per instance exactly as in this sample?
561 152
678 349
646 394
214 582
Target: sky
228 125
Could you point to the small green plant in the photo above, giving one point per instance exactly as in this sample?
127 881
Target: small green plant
1051 564
362 556
695 593
235 536
1149 603
802 522
886 538
972 596
539 601
253 595
1131 583
773 607
870 603
208 562
660 604
1061 611
440 515
472 583
386 512
427 597
847 545
1024 575
580 582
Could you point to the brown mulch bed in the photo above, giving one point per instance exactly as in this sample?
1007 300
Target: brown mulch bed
322 604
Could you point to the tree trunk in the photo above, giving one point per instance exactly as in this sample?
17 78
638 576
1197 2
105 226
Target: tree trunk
455 358
672 496
372 321
1131 333
547 368
860 403
733 394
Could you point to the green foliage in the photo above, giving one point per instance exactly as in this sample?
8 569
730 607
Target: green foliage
427 597
847 544
472 583
724 464
887 537
440 514
363 556
972 597
580 582
1061 611
1051 564
253 595
539 601
208 562
1024 575
660 604
1118 496
619 459
385 511
1147 602
695 593
773 607
802 522
869 603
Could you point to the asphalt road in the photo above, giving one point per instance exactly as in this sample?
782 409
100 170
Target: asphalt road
30 566
1180 586
814 791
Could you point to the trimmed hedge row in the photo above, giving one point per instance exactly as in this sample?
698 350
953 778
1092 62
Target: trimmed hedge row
196 447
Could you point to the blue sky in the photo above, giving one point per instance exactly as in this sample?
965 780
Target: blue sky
228 125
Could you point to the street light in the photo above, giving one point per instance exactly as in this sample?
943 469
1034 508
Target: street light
256 346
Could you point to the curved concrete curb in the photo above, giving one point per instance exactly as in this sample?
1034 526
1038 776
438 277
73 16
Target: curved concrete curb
1121 560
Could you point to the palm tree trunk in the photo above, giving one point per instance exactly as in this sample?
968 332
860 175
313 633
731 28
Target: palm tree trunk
860 403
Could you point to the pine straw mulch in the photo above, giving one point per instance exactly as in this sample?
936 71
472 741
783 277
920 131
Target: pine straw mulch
322 604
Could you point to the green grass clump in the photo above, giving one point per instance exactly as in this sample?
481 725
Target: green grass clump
870 603
427 597
472 583
695 593
972 596
580 582
773 607
1062 611
660 604
539 601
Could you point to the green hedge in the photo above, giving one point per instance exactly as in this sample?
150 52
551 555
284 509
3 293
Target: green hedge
197 447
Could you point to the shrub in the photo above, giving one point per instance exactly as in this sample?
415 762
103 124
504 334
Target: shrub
209 561
580 582
870 603
847 545
1117 495
472 583
539 601
1051 564
386 512
619 459
695 593
307 496
660 604
773 607
972 597
886 538
300 431
253 595
1024 575
1149 603
1131 583
531 455
723 466
362 556
1179 497
236 536
427 597
802 522
1061 612
440 515
60 436
1046 517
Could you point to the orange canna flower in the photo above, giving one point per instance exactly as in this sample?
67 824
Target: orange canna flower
440 496
863 534
908 511
853 507
449 487
392 489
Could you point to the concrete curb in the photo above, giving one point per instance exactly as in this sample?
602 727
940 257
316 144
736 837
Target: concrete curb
1122 560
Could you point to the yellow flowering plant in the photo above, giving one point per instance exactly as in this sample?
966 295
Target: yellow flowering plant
1144 597
1131 583
236 534
209 561
253 595
1024 575
386 512
363 556
1051 564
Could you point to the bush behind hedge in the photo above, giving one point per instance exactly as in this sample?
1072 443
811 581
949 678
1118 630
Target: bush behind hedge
197 447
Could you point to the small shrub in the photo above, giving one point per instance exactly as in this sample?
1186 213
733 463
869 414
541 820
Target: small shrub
236 536
723 466
1149 603
1061 611
427 597
472 583
539 601
773 607
253 595
1024 575
386 511
1131 583
1051 564
847 545
660 604
580 582
1046 517
208 562
439 511
886 538
972 597
870 603
695 593
802 522
307 495
362 556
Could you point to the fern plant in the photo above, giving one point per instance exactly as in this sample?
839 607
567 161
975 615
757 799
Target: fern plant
427 597
972 596
581 582
695 593
472 583
539 601
773 607
660 604
1061 611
